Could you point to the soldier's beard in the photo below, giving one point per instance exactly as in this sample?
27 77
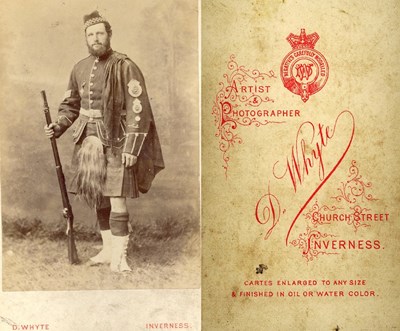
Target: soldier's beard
99 51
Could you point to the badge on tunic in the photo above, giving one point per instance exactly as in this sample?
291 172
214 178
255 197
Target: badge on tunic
67 94
137 106
134 88
137 118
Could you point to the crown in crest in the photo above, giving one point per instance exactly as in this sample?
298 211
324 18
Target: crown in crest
303 40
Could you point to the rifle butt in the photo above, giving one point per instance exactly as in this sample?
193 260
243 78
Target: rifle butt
72 252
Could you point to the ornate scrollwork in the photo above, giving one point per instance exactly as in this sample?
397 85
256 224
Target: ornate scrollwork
228 99
354 189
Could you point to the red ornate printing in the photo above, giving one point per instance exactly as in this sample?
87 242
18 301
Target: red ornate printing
305 239
301 161
316 154
227 100
304 242
304 70
353 190
355 220
314 213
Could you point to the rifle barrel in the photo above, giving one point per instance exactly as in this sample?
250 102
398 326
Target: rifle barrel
67 211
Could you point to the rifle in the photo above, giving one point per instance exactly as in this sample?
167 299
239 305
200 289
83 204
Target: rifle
67 211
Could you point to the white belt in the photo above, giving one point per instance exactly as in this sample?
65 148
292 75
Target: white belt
91 113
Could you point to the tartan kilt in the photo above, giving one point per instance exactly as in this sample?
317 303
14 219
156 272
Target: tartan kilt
120 181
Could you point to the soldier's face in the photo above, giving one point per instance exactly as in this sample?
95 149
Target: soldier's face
97 39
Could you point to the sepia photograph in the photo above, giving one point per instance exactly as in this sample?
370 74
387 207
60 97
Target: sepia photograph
100 146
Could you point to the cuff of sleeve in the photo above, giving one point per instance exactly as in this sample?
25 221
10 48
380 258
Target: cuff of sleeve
134 143
64 121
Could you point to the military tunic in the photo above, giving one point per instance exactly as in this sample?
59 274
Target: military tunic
92 92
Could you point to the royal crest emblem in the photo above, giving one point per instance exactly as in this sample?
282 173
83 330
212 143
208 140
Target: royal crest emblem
304 71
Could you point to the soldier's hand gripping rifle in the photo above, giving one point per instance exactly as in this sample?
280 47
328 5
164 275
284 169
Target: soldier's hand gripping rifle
67 211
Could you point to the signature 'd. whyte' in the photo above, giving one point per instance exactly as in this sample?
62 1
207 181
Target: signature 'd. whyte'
308 152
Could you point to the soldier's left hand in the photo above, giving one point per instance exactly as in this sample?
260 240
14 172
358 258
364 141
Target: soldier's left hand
128 159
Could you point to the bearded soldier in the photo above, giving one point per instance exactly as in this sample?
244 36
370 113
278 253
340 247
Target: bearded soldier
117 152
